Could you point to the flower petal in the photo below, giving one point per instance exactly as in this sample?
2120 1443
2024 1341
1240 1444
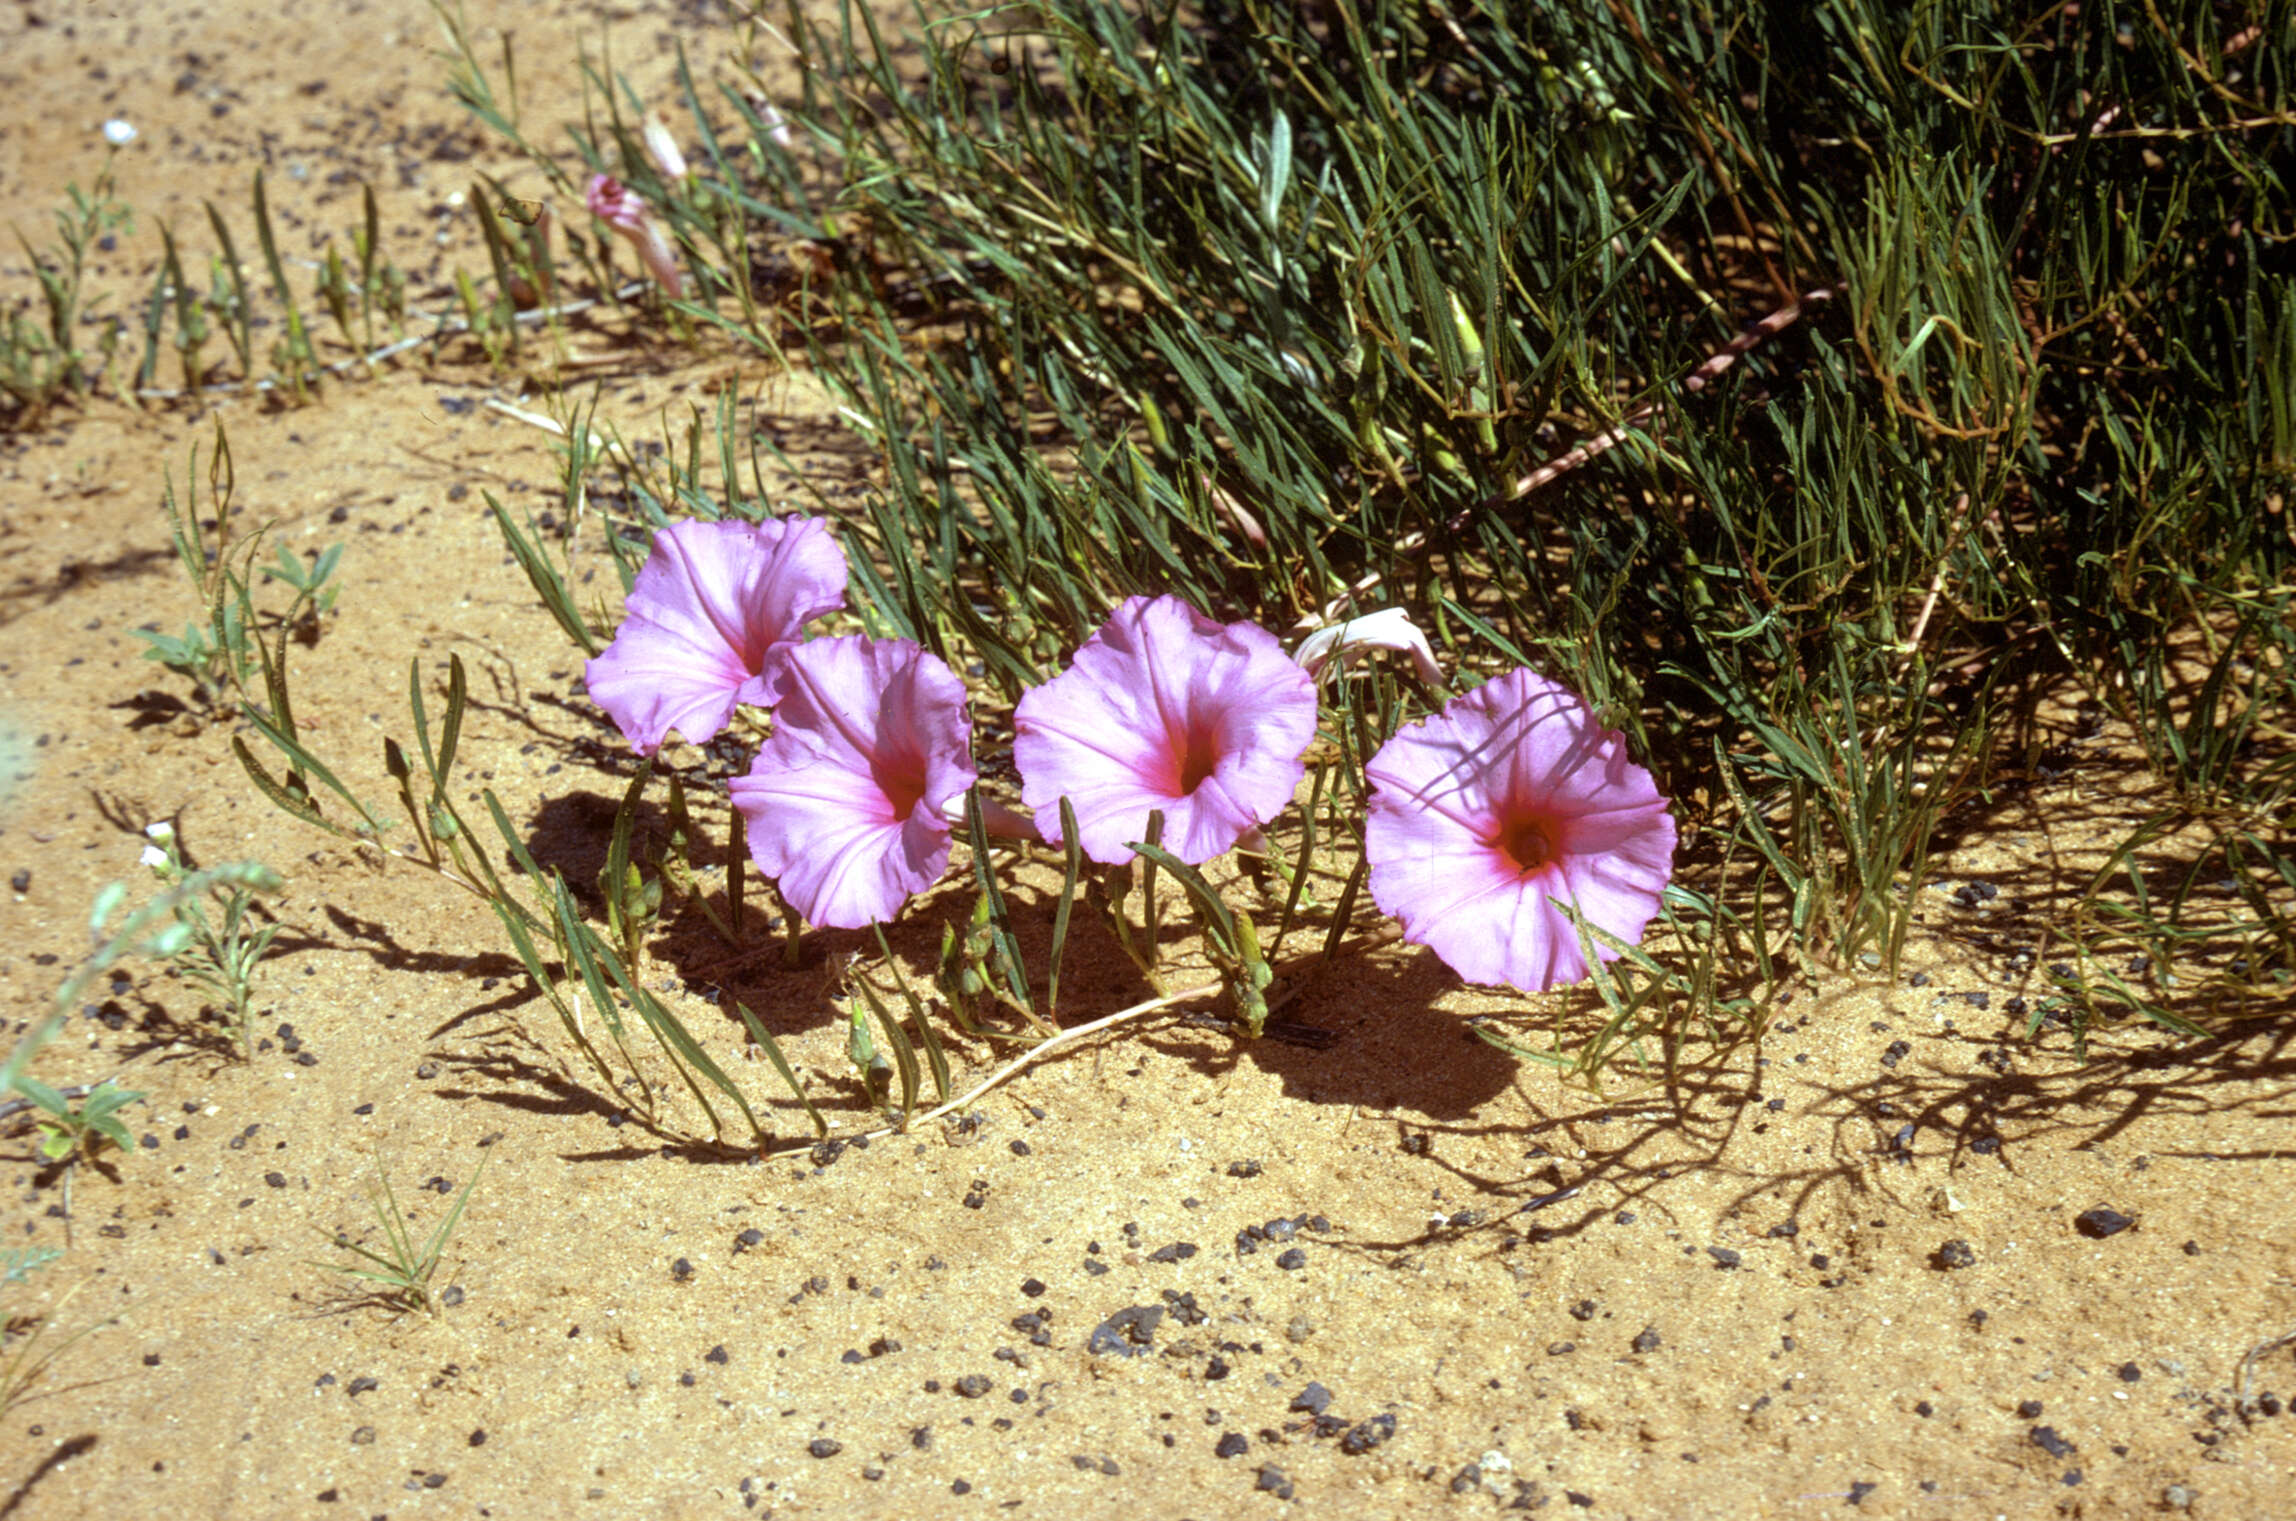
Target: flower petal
1163 709
711 600
845 802
1519 757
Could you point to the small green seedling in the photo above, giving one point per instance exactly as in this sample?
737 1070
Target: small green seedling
401 1273
68 1132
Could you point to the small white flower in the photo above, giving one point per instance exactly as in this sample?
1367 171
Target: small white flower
119 133
154 857
776 127
160 830
662 147
1388 629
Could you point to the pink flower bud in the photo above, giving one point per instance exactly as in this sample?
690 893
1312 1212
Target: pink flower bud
624 210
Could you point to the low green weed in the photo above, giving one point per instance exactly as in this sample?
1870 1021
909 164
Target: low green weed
401 1272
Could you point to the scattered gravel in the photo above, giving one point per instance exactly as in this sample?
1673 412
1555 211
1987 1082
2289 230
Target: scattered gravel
2046 1438
1367 1434
1129 1332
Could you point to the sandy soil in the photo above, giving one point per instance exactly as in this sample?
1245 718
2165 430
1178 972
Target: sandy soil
1840 1265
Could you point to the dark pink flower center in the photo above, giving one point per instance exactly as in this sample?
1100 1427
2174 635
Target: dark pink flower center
1525 843
1199 758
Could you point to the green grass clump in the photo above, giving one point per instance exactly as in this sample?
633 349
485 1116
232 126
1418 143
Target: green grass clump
1833 394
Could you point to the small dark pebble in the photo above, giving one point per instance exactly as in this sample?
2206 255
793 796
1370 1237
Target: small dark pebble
2130 1373
2028 1409
361 1385
1626 1217
1647 1340
1859 1489
22 880
1953 1254
1367 1435
434 1481
1273 1480
2046 1438
1785 1232
1244 1169
276 1179
1561 1348
1918 980
2269 1403
426 1070
1032 1287
681 1270
1020 1148
2072 1477
959 1487
716 1354
1292 1261
478 1438
2098 1223
749 1238
362 1436
1724 1257
973 1385
1895 1053
1315 1399
1178 1251
1986 1146
1924 1409
825 1447
1232 1445
1467 1480
1583 1310
1583 1502
1419 1145
451 1297
2191 1248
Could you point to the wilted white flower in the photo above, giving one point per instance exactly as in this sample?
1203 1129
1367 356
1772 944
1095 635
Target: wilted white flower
119 133
1388 629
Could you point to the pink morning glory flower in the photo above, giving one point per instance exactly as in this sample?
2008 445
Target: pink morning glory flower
848 801
1165 709
708 605
624 210
1511 800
